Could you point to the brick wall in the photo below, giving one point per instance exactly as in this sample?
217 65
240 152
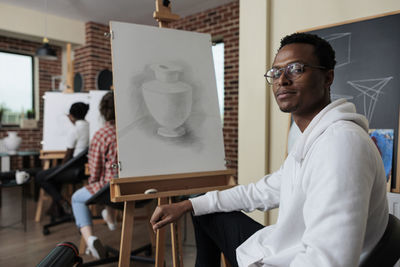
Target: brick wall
223 22
31 137
94 56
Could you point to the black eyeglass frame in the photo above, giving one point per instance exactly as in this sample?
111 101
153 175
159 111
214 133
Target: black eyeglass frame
284 70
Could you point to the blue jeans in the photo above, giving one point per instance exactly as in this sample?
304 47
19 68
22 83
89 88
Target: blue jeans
81 211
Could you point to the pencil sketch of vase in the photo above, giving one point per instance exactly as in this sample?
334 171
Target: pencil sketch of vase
168 99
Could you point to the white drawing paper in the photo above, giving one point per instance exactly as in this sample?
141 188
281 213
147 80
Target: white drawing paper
96 121
167 112
56 124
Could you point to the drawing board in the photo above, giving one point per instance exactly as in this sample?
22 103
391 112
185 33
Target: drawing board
56 124
167 112
94 117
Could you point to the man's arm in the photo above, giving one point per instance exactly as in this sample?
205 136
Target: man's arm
338 186
262 195
166 214
68 155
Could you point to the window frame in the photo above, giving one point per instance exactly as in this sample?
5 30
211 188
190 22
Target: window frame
33 82
215 41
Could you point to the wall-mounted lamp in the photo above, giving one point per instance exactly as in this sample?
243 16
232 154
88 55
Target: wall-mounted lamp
45 51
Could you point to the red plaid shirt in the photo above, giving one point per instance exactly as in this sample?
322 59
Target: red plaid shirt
102 155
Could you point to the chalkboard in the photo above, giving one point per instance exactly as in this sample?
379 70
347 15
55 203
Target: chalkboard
367 71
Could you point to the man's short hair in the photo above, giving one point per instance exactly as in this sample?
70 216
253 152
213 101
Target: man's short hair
79 110
322 49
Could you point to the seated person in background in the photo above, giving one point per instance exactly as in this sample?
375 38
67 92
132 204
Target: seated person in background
77 141
102 155
331 189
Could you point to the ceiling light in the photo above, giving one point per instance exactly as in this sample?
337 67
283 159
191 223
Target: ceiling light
45 51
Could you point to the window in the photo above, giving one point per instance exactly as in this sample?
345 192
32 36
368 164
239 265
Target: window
16 87
218 56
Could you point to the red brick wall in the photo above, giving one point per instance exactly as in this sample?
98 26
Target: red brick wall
223 22
94 56
31 137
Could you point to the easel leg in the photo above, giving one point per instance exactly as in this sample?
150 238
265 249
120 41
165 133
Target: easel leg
176 242
160 240
39 205
126 234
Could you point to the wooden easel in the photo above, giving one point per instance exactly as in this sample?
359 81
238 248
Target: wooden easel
49 158
70 71
128 190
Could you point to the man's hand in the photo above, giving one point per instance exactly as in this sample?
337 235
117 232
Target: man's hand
166 214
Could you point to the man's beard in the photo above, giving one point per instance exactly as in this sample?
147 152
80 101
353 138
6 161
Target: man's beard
289 109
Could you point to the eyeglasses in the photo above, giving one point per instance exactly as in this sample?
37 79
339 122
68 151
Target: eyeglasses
292 72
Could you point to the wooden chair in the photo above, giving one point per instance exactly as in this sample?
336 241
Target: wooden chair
50 159
77 163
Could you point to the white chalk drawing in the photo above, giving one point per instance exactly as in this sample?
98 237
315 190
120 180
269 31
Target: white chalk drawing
370 90
338 96
341 43
168 100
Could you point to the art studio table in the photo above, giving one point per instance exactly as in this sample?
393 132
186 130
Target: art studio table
26 157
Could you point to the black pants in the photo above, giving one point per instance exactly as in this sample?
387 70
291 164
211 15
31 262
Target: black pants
221 232
53 186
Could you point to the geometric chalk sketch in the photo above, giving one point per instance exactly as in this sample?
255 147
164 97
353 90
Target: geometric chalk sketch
370 89
341 43
338 96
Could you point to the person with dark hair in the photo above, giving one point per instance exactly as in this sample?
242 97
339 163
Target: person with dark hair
102 155
331 189
77 141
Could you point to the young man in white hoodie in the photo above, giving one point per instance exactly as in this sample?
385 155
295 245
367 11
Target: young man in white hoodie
331 189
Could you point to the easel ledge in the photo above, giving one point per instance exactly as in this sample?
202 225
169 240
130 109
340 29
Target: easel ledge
52 154
133 188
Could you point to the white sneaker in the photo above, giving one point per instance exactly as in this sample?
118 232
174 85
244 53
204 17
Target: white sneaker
111 225
96 248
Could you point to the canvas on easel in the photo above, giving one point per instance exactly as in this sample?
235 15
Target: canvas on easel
56 124
167 113
95 119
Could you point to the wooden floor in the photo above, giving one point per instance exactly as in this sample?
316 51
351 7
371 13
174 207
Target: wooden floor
19 248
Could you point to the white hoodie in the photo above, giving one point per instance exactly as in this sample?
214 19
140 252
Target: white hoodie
331 193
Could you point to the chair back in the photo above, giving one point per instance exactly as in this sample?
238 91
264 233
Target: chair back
387 252
78 160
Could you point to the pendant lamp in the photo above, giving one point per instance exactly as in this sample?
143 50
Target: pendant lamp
45 51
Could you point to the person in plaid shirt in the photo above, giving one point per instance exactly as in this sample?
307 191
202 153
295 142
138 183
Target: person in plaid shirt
102 155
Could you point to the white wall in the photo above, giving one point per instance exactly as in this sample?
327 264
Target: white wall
253 94
30 25
285 17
